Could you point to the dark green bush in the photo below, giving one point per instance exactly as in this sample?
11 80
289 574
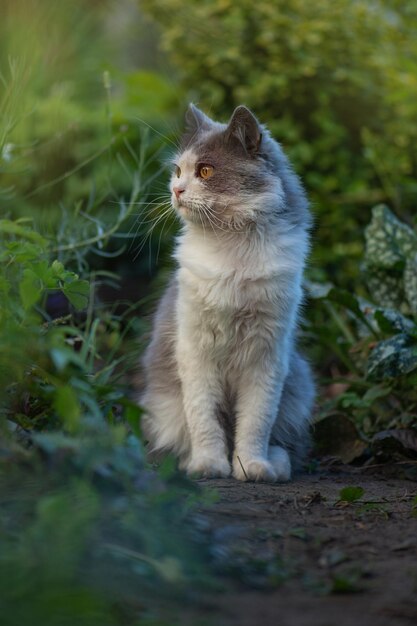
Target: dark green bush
375 337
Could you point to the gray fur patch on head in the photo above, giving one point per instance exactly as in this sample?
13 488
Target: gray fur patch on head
253 181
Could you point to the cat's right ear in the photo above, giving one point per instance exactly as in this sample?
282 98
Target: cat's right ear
244 128
196 121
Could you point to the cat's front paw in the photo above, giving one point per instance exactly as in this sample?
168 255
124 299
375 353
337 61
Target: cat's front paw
254 470
209 467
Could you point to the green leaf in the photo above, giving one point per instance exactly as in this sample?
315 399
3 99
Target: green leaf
374 393
384 323
22 251
77 293
386 287
391 321
388 240
30 289
132 413
67 406
392 357
351 399
351 494
58 269
12 228
391 261
63 356
346 299
350 302
346 583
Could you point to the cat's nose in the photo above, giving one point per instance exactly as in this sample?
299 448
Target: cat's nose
178 191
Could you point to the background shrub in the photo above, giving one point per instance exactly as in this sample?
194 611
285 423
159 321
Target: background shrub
336 82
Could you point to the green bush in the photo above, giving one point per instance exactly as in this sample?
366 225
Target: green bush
336 82
321 75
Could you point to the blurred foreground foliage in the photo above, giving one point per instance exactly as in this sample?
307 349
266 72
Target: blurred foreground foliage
89 536
89 533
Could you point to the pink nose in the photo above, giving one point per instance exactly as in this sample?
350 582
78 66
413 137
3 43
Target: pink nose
178 191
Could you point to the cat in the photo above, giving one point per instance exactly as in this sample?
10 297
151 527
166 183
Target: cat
226 389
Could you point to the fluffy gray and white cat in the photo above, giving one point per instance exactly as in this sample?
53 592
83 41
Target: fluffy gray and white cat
226 389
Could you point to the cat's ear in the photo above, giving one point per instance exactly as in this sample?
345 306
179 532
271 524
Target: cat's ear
244 127
196 121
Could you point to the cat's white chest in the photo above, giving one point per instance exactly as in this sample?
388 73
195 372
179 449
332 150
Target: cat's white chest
228 295
217 295
222 265
217 282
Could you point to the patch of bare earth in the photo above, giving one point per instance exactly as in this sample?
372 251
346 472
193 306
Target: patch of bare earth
297 556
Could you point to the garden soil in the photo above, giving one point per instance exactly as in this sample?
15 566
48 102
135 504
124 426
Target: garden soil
298 556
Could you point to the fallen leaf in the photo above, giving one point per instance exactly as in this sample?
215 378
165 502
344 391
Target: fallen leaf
337 435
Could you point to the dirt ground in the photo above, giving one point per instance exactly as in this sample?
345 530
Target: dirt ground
297 556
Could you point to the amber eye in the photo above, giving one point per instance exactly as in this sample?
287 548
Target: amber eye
205 171
177 171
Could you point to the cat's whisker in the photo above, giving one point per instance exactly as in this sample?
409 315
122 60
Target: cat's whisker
152 207
139 223
147 217
148 202
160 236
211 221
215 220
164 215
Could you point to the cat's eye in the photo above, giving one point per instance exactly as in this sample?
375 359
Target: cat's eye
177 171
205 171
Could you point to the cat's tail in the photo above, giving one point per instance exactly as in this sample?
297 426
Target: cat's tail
291 431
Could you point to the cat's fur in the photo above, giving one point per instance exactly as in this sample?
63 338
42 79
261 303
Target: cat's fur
226 389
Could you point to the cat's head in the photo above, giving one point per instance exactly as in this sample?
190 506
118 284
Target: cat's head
230 176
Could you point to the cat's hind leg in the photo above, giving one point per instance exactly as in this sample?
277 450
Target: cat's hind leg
280 460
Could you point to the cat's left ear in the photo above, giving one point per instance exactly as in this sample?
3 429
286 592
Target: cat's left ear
244 126
195 122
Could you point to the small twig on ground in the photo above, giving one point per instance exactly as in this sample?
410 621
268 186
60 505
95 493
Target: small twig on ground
243 469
